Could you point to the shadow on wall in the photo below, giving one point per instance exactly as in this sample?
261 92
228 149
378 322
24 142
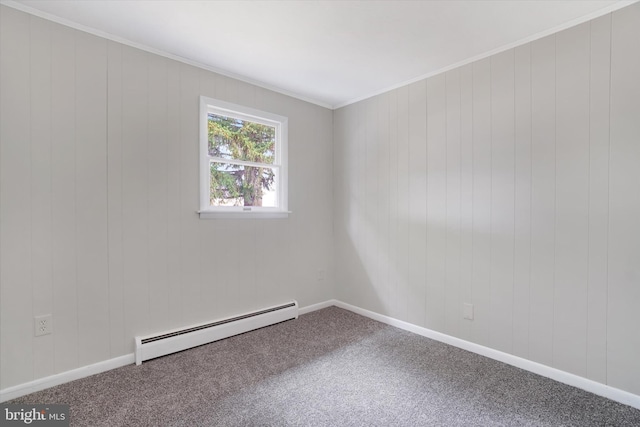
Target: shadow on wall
412 270
382 267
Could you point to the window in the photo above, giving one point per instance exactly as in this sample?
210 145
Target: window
243 162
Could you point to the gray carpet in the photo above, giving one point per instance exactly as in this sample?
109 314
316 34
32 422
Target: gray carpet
329 368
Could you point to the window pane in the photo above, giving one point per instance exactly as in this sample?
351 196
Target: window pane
236 185
237 139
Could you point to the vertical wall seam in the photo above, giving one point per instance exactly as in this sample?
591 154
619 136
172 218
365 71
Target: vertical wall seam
606 357
555 190
108 137
122 281
426 204
588 203
376 147
167 234
147 211
513 248
473 218
459 291
179 162
390 204
530 200
75 187
30 186
408 264
393 205
53 353
408 191
387 144
490 198
446 201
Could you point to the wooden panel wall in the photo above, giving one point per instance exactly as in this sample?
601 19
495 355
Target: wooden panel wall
99 193
518 191
623 291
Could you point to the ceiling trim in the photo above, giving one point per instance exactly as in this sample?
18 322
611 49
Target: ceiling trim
50 17
593 15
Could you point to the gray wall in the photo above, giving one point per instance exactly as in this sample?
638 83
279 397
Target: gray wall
512 183
99 193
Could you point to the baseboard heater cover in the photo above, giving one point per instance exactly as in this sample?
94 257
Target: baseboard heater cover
156 345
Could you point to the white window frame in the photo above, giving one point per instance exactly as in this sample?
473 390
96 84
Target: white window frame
280 123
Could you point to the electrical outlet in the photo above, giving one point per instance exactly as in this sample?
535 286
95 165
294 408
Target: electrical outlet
467 311
320 275
43 325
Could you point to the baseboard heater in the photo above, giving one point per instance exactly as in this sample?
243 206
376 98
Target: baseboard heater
161 344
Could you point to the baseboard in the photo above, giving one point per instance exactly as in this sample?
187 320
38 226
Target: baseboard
106 365
65 377
318 306
594 387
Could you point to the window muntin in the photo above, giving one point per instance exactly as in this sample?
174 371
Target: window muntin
242 161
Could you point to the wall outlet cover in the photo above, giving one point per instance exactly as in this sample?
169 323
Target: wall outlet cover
467 311
43 325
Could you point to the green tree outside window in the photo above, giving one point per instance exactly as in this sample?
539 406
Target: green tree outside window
234 139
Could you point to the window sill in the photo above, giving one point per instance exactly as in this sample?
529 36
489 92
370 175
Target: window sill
243 215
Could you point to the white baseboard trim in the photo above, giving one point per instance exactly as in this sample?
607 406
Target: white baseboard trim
85 371
318 306
65 377
594 387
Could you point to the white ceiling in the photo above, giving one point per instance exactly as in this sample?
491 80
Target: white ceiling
328 52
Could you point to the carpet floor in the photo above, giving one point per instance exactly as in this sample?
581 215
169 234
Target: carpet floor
329 368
